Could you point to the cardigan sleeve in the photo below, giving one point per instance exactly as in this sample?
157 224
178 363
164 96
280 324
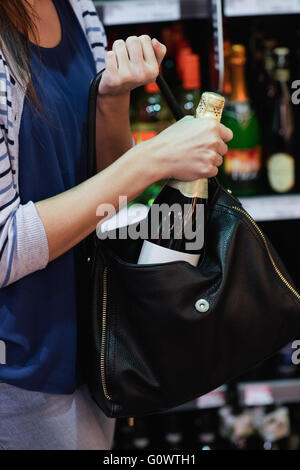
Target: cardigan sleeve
23 240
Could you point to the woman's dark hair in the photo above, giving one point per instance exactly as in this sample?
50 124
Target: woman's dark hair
17 16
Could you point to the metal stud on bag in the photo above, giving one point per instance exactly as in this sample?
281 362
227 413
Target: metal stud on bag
202 305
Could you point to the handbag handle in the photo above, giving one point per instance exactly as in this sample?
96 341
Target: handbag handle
92 104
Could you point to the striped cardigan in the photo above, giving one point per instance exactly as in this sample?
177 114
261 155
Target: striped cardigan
23 241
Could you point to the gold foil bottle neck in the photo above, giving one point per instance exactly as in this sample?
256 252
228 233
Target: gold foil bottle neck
210 107
191 189
238 54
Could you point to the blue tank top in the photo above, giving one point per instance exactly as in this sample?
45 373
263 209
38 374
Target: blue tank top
38 313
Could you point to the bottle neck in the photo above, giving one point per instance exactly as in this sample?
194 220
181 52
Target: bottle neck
227 88
206 109
239 88
282 75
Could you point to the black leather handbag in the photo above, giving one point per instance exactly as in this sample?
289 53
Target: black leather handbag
161 335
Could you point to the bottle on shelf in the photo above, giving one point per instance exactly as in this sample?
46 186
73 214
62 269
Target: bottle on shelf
140 438
227 88
123 436
184 49
279 145
256 65
169 67
191 84
241 170
167 231
276 429
236 422
269 62
206 430
264 84
173 433
151 115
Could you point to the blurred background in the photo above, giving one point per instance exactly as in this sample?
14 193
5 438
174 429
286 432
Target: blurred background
248 50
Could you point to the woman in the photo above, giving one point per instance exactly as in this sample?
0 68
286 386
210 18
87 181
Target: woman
50 51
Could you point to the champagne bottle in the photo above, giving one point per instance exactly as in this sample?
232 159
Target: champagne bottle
167 234
280 158
242 163
264 83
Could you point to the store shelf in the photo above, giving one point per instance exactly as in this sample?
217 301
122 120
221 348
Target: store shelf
272 208
280 392
259 7
118 12
277 392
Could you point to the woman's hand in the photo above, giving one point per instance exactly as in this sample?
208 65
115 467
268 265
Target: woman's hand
130 64
187 150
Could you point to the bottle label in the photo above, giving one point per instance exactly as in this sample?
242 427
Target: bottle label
281 172
240 112
143 135
243 164
152 254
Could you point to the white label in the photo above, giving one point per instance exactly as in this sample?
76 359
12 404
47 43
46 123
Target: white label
137 11
264 208
152 254
258 395
281 172
276 425
258 7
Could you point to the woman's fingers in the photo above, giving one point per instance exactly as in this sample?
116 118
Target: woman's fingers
225 133
111 63
135 50
120 49
148 51
222 148
159 50
218 160
131 64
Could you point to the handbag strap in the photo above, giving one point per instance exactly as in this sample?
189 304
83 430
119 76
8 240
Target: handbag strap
92 104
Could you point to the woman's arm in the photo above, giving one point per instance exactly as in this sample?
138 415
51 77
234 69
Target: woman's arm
71 216
113 134
187 150
130 64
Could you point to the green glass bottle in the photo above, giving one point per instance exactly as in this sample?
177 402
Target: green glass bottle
241 170
151 116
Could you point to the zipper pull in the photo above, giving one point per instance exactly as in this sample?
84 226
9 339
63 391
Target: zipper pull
131 422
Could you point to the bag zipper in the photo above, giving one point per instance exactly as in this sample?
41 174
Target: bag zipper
277 270
103 342
103 335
